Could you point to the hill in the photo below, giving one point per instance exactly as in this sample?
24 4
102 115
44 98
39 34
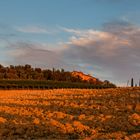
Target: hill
26 76
85 77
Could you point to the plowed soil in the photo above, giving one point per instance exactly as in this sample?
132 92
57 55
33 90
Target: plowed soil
70 114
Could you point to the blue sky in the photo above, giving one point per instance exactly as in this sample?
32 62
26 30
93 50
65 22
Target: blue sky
99 37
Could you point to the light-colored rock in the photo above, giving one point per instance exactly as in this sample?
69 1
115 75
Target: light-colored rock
134 119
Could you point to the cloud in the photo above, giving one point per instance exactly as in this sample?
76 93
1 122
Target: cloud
32 29
30 53
6 32
92 37
115 49
110 53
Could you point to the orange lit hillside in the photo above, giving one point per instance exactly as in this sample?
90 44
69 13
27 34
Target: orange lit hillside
85 77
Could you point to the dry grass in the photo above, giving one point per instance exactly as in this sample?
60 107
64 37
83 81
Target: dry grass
70 114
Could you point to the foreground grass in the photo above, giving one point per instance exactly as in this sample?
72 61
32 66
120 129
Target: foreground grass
70 114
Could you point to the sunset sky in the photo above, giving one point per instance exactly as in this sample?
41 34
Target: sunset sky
98 37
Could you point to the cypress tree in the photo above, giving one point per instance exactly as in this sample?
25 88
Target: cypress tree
132 82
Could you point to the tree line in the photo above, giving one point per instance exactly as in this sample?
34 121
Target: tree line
26 72
19 76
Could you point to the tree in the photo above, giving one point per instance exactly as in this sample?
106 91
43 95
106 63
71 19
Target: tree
132 82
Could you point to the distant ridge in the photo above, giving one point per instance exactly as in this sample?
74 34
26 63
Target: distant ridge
27 77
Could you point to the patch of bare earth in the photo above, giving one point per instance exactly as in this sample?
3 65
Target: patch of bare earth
70 114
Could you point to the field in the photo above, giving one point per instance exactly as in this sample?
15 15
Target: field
70 114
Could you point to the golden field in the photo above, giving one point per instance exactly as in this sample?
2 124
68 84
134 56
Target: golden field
88 114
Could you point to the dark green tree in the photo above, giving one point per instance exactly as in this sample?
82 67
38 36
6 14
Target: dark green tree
132 82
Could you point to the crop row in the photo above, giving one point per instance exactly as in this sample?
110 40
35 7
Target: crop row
34 84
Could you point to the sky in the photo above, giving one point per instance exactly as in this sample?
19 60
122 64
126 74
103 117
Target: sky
97 37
